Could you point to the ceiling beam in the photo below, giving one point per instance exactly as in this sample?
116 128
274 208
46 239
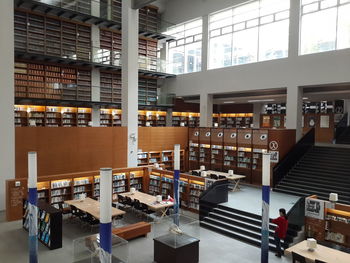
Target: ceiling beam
137 4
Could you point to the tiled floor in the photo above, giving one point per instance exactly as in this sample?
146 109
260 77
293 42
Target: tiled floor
249 199
213 247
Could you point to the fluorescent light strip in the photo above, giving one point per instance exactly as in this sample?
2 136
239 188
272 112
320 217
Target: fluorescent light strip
265 100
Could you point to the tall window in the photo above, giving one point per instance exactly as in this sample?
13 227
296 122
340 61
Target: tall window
325 25
184 54
251 32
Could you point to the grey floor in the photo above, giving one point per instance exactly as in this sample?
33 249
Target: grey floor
213 247
249 199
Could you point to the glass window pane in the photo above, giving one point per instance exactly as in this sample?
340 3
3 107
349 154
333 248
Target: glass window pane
305 2
328 3
180 42
226 30
282 15
321 37
245 46
344 1
253 22
266 19
310 8
273 6
193 24
215 33
273 40
343 40
193 57
193 31
246 12
239 26
220 51
189 39
221 15
172 44
198 37
176 60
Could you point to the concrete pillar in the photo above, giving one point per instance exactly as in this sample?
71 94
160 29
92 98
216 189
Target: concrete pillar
347 109
205 42
130 29
169 117
294 20
95 116
257 108
95 8
294 109
7 131
206 110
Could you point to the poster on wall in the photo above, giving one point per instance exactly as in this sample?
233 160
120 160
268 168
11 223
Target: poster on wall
324 121
312 121
314 208
274 156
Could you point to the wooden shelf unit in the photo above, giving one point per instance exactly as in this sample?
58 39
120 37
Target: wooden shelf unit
154 157
155 180
21 116
193 145
230 149
106 118
83 117
82 185
111 87
168 160
142 158
39 34
119 184
205 147
49 224
235 120
217 149
147 91
60 191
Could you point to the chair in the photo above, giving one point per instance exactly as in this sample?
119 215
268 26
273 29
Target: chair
298 258
128 202
319 261
137 206
145 210
222 177
121 201
214 176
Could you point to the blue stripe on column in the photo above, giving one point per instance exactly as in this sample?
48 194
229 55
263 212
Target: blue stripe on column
33 255
106 237
176 196
33 196
266 194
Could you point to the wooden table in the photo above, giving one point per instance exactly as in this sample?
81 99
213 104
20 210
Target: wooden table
92 207
322 253
150 201
234 178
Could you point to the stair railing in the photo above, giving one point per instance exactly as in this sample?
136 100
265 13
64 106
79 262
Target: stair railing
341 126
215 194
293 157
296 215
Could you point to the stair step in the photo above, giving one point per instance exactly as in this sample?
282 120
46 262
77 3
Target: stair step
315 177
239 212
318 181
320 171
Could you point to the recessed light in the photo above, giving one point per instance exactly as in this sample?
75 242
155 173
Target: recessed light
265 100
305 98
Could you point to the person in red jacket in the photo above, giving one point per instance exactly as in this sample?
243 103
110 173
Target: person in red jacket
281 230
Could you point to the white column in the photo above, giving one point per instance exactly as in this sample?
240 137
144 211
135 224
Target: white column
169 117
294 109
95 116
206 110
7 131
294 19
256 115
130 28
95 8
205 43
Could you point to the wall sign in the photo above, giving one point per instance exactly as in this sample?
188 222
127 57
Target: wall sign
273 145
314 208
274 156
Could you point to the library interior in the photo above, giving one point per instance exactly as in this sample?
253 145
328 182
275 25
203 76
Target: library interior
171 131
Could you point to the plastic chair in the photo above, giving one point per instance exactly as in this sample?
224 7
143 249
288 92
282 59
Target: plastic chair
298 258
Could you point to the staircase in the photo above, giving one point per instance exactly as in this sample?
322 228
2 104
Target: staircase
344 137
242 225
322 170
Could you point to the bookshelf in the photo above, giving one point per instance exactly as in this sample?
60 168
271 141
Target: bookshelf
82 186
180 119
205 147
154 187
168 160
154 157
83 117
21 116
193 120
36 115
110 87
60 191
147 91
96 192
53 117
148 19
260 145
39 34
49 224
119 184
136 180
43 191
230 150
196 189
142 158
69 117
167 186
235 120
184 192
116 118
193 143
217 149
106 118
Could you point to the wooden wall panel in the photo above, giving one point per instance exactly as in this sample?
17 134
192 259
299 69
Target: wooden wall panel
217 136
230 137
67 150
162 138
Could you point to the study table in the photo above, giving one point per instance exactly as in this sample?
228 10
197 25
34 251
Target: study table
234 178
322 253
92 207
150 201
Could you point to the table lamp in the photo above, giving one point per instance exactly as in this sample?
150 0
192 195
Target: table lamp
333 197
311 244
159 198
132 190
156 165
204 174
202 168
230 172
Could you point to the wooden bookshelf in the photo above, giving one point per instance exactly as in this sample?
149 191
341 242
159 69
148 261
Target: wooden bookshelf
39 34
136 180
154 187
142 158
60 191
193 120
111 87
83 117
69 116
167 186
106 118
193 144
149 19
205 147
260 145
147 91
154 157
217 149
49 224
53 117
43 189
196 189
21 116
230 150
116 118
82 186
119 184
168 160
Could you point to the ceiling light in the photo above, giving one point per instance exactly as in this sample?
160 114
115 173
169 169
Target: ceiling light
265 100
305 98
227 102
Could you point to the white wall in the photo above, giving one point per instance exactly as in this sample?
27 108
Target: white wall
315 69
7 131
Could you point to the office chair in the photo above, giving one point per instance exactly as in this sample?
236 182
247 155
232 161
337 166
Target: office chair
214 176
222 177
319 261
145 210
298 258
137 206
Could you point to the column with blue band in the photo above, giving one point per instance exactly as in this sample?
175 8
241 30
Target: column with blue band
105 215
32 207
265 208
176 182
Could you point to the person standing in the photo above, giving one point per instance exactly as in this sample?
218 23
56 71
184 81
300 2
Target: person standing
281 230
